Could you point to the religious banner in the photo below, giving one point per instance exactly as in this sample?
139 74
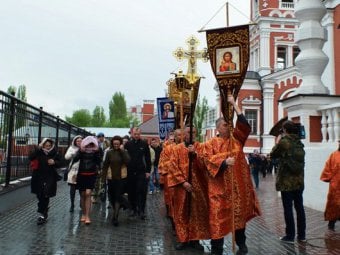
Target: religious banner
184 97
228 50
166 116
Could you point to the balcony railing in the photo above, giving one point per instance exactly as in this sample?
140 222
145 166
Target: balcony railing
286 5
330 123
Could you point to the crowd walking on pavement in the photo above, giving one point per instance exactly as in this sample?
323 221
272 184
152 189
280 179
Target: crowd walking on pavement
207 187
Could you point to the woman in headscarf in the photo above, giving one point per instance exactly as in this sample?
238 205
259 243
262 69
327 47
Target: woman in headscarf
45 159
90 159
73 167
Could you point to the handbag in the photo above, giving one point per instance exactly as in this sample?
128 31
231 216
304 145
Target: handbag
73 173
123 172
34 164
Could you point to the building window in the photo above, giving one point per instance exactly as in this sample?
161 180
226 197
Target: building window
287 4
281 59
251 116
296 52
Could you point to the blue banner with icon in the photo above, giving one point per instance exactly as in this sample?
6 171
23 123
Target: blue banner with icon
166 116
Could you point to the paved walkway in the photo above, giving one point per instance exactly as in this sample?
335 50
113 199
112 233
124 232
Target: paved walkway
64 234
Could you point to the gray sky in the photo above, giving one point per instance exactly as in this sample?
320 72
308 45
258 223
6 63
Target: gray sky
74 54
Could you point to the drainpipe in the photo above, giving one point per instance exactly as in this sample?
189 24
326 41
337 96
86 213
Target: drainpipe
261 118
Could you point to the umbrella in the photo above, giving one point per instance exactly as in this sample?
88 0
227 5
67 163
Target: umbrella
275 130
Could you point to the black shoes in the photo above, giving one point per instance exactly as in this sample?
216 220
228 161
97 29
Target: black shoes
192 244
286 239
331 225
242 250
180 246
115 222
196 245
133 214
41 220
142 216
216 251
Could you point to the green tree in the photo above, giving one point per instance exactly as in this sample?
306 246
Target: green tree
199 116
21 108
11 90
98 117
117 110
22 93
80 118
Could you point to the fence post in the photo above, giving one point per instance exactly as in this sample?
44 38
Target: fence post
57 132
10 142
40 124
69 135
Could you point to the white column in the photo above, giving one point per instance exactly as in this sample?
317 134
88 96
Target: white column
268 114
264 65
289 56
324 126
336 124
330 126
268 106
311 37
328 76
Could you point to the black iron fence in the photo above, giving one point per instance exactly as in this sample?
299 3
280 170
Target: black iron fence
22 126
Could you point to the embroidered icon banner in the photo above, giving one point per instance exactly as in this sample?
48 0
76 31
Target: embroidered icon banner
166 116
228 50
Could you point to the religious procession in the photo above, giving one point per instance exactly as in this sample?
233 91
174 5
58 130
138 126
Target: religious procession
252 184
207 186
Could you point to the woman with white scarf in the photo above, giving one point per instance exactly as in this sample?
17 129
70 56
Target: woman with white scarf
73 167
44 177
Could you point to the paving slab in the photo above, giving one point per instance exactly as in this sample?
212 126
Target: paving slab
63 234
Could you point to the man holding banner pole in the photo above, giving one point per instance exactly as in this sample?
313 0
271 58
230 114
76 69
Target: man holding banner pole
232 199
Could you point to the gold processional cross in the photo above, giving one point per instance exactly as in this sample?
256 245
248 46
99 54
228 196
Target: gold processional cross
192 55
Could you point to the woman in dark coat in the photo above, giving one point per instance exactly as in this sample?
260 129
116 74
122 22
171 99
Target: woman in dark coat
44 177
115 160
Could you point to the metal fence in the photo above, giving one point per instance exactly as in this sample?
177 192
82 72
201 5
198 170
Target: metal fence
22 126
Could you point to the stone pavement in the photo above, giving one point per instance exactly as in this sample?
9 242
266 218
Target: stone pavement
64 234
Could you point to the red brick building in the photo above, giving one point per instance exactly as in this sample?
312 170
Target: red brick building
272 75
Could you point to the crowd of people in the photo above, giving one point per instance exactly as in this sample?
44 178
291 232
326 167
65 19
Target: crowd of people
207 187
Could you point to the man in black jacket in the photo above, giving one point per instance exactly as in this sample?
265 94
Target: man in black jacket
138 172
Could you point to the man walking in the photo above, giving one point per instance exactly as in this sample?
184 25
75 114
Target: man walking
139 169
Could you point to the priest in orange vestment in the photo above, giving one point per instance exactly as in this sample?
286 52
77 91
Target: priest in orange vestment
232 198
190 193
331 174
164 165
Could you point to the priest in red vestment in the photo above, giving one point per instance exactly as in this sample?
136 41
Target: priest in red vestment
331 174
190 193
164 165
232 198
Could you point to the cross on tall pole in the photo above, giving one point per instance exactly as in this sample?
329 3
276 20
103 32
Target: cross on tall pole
192 55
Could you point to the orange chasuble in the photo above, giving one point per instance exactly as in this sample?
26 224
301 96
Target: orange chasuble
191 210
331 174
221 202
163 166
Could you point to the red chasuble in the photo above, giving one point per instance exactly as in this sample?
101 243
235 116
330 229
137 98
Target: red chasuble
221 203
331 174
190 209
163 166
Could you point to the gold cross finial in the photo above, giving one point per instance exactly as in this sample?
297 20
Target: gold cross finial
192 54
